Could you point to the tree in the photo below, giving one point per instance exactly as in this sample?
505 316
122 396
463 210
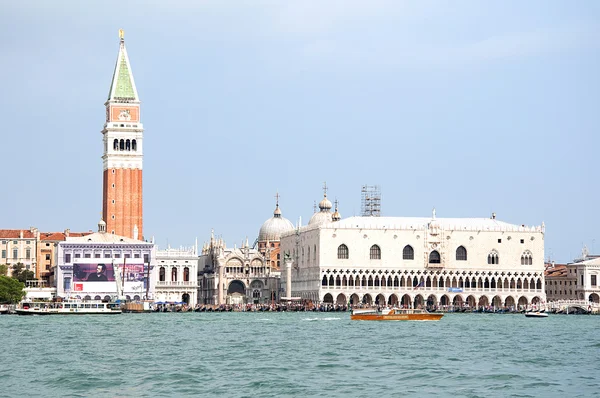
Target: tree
11 290
3 269
22 274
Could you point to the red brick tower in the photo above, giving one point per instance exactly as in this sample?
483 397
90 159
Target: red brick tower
123 153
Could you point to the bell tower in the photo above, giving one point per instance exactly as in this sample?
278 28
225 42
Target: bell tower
123 153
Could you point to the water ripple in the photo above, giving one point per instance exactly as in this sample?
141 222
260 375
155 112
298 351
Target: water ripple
298 355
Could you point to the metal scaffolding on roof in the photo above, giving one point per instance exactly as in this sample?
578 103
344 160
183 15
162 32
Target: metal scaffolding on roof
370 201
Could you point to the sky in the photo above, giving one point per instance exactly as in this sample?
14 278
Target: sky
468 107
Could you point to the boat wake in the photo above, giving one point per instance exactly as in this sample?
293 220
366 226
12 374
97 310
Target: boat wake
321 319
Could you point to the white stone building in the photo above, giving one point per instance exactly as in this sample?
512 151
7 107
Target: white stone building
416 261
176 276
86 266
587 274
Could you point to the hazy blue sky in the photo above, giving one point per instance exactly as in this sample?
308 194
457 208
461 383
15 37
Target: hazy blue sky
471 107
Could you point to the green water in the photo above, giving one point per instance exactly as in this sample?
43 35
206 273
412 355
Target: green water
298 355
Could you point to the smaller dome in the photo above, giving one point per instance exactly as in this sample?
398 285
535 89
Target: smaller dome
336 216
325 204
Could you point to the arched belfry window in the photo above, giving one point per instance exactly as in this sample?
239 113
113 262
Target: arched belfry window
116 144
343 252
122 145
161 274
434 257
461 253
408 253
128 145
133 145
493 258
375 253
174 274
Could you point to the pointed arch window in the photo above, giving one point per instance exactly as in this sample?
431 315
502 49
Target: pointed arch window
342 252
493 258
526 258
408 253
434 257
461 254
375 252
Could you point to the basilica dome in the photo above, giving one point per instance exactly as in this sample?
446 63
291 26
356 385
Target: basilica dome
324 214
274 227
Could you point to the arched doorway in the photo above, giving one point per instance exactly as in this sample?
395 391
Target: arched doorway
431 301
236 293
445 300
457 301
510 303
497 302
536 300
185 298
328 298
594 298
367 299
354 299
419 301
523 302
341 299
236 287
471 302
393 300
380 299
406 301
483 301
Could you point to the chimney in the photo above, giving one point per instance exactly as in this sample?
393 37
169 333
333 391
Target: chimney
21 234
67 231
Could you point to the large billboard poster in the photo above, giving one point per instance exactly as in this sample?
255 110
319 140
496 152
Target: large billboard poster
104 272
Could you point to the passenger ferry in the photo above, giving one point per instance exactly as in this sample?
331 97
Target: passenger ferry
394 314
68 307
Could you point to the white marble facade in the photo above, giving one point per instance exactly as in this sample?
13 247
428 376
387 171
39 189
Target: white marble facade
176 276
416 261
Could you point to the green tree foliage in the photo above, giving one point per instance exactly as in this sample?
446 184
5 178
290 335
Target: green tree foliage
21 274
11 290
3 269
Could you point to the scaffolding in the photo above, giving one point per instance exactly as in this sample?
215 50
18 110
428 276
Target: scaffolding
370 201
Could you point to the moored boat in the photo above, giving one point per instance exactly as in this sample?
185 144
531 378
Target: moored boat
68 307
395 314
533 314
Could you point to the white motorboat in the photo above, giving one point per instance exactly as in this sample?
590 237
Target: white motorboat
533 314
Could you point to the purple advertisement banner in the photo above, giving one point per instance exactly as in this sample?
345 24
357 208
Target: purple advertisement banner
103 272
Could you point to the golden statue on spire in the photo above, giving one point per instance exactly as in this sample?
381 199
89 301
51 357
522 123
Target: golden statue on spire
121 34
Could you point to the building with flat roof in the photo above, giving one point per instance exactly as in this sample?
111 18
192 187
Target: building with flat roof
417 261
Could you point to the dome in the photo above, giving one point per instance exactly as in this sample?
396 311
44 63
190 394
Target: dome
274 227
336 216
325 204
321 217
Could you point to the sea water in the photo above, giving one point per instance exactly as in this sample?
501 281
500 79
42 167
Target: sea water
298 355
